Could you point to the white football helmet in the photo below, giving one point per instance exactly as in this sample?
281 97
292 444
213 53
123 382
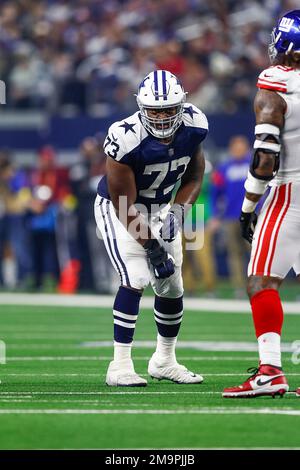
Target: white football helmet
159 91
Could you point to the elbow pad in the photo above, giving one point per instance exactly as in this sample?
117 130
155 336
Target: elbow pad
264 132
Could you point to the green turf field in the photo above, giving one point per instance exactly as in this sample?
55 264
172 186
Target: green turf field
53 394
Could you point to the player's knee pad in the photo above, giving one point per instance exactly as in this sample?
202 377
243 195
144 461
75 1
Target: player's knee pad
172 287
140 282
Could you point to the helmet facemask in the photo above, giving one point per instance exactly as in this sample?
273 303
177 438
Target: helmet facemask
162 128
272 51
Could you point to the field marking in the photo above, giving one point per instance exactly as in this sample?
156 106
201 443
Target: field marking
42 346
54 336
211 346
222 346
98 301
13 393
108 358
161 449
217 411
78 402
96 374
75 393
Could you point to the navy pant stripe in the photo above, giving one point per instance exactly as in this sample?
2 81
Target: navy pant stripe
116 246
108 240
124 320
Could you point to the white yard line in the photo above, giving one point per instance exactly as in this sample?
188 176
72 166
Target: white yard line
55 336
39 347
197 304
192 411
108 393
87 374
223 346
70 402
161 449
131 392
107 358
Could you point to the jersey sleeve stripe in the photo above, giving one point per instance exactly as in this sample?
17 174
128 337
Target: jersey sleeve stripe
284 68
265 80
271 86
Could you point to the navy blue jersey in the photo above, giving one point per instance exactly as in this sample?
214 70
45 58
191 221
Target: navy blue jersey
157 167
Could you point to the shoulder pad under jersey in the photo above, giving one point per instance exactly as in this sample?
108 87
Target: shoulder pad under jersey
124 136
193 117
277 78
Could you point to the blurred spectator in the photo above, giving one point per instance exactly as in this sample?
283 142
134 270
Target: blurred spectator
20 200
47 231
5 174
227 193
30 82
15 199
198 265
90 55
50 189
97 272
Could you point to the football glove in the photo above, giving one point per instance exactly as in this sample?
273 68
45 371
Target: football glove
248 221
172 223
162 262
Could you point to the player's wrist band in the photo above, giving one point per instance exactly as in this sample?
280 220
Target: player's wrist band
254 185
248 206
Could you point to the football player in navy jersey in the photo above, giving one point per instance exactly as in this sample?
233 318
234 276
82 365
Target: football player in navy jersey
148 154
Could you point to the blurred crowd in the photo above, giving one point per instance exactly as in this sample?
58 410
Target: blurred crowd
47 230
48 233
90 55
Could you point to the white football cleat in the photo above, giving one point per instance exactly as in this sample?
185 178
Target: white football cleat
122 374
175 372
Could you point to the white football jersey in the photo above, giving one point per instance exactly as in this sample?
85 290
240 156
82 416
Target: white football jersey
286 82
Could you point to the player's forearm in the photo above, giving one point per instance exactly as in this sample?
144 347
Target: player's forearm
250 201
269 110
253 197
191 182
256 187
134 223
188 193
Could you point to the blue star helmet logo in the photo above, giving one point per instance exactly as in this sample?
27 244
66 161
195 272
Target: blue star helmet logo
128 127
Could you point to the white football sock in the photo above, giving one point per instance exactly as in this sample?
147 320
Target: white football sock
269 349
122 351
165 348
